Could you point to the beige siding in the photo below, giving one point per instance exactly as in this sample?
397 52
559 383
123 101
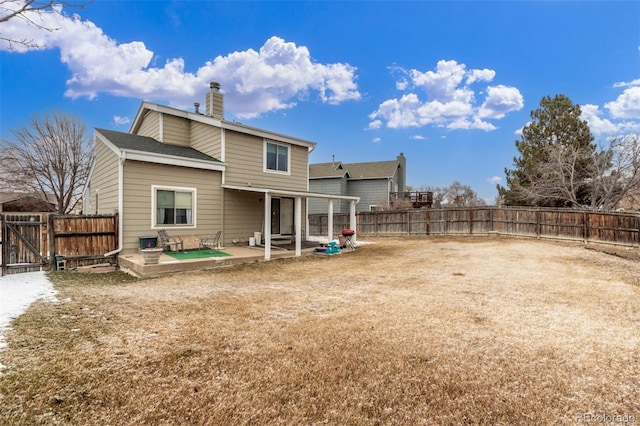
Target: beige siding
175 130
245 159
104 181
206 139
138 219
244 215
150 125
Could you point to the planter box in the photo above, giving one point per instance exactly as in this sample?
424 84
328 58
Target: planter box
151 255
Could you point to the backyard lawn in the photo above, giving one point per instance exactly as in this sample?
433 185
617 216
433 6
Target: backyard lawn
402 331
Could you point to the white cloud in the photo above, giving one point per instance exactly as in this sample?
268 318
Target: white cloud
398 112
519 131
374 125
450 99
476 123
480 75
635 82
417 137
494 180
271 79
121 121
591 114
254 82
627 105
402 84
500 101
604 126
376 140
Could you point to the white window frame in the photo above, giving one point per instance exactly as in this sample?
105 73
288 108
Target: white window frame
264 163
154 207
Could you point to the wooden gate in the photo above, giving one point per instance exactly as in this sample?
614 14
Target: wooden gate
23 244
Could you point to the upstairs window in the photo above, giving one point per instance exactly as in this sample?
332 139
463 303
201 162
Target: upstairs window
174 207
276 157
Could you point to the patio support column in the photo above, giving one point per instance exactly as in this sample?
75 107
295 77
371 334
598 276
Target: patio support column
267 226
306 219
330 221
352 218
298 225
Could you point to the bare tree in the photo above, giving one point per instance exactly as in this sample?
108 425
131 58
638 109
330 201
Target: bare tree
612 174
30 11
455 195
617 172
52 156
557 181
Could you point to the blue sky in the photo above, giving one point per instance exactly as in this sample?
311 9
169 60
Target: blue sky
449 84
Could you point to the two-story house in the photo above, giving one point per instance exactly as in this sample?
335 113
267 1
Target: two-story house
195 173
373 183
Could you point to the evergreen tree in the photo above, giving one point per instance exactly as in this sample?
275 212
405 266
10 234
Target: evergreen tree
556 127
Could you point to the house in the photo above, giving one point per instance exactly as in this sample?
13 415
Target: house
195 174
27 202
373 183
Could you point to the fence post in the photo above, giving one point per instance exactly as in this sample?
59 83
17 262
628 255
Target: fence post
3 244
408 213
446 221
51 238
427 222
116 226
471 221
585 230
376 222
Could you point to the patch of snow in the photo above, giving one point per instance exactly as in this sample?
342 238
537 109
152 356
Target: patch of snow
18 292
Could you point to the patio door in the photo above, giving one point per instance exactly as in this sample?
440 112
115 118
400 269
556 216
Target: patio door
282 216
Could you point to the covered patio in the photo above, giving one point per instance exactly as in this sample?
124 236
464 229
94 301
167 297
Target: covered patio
299 197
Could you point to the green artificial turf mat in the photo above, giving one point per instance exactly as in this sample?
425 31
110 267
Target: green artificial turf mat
196 254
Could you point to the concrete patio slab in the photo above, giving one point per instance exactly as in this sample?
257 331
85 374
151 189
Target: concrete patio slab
134 263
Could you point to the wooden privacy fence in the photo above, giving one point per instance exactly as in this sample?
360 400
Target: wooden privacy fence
582 225
83 239
32 241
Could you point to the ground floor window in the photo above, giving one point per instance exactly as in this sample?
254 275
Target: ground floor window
174 207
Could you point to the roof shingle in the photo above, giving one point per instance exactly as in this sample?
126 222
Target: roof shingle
371 170
128 141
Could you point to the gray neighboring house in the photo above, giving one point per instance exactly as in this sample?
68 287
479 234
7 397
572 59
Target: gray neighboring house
373 182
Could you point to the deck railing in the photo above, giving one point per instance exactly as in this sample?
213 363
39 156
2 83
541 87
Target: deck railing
415 199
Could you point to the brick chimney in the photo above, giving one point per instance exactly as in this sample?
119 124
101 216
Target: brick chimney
214 101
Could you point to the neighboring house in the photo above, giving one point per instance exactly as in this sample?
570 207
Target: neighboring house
372 182
26 202
195 174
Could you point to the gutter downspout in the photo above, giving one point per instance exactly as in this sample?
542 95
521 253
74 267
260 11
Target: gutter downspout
123 158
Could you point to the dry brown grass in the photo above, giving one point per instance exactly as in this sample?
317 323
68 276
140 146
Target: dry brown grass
432 331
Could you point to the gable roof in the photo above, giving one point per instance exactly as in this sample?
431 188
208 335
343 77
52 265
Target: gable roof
142 148
7 197
369 170
216 122
130 142
327 170
372 170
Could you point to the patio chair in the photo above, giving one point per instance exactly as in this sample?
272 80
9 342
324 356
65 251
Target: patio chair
211 241
170 242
